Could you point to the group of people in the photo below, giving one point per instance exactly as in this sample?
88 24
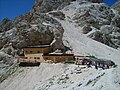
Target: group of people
93 64
97 65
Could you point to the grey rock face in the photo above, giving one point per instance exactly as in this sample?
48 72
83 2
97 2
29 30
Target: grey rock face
116 21
100 18
5 25
2 41
36 28
39 29
49 5
8 66
58 15
8 49
108 34
116 6
86 29
6 59
94 15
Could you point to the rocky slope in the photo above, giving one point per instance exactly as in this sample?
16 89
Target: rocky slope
38 29
62 77
7 65
98 22
90 15
116 6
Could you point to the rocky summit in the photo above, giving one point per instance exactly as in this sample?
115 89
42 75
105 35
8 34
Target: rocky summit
82 27
38 27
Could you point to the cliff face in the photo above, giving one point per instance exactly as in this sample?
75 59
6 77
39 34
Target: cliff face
37 27
116 6
44 6
41 25
33 29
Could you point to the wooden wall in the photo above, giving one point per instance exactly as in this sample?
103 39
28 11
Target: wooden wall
58 59
36 50
34 57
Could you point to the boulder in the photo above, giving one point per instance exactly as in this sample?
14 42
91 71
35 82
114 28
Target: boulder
86 29
116 21
6 59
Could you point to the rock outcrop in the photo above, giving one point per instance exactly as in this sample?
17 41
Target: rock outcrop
5 25
6 59
101 19
8 66
116 6
38 27
44 6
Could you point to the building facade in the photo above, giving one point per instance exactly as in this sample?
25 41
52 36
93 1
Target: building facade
56 58
43 54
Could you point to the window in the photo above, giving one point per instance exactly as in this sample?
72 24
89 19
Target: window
34 57
38 51
26 57
38 57
30 51
26 51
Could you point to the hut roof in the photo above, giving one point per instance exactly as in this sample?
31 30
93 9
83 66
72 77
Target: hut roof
38 46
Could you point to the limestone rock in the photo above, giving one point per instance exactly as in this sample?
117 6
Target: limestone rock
108 35
58 15
6 59
40 29
50 5
116 6
94 15
5 25
116 21
39 26
86 29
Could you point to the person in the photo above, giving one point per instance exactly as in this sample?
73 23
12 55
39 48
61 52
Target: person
96 66
76 62
106 66
81 62
101 66
88 64
93 63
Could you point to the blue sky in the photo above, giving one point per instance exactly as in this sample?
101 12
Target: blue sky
14 8
109 2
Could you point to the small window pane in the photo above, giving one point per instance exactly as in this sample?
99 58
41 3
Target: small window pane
38 57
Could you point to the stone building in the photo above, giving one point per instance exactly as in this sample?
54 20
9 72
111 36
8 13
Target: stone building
43 54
